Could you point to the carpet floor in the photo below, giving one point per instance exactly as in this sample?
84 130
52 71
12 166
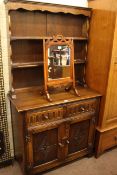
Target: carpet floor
104 165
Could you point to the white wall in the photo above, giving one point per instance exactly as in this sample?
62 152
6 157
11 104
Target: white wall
82 3
4 42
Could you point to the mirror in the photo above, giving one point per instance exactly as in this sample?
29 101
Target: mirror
58 61
59 64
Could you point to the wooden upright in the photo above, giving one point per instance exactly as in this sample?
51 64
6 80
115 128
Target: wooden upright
102 60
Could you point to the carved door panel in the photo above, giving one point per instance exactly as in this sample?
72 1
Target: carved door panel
51 143
78 138
45 146
81 137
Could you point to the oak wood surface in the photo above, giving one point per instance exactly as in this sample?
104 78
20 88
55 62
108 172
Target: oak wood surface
99 53
27 44
50 133
31 98
64 139
49 7
105 140
24 51
104 66
110 5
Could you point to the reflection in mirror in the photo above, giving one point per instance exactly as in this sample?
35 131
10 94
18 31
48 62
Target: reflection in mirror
58 61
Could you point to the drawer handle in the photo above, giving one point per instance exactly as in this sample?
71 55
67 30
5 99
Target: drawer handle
46 117
61 145
67 141
82 109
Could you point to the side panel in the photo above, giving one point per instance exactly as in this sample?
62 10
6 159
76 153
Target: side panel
101 35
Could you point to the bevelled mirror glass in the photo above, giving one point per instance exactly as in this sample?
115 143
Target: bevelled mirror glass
58 61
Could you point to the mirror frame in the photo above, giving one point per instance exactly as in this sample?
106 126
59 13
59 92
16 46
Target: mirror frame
58 40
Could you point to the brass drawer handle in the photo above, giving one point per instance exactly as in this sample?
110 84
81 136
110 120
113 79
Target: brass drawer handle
61 145
67 141
46 117
82 109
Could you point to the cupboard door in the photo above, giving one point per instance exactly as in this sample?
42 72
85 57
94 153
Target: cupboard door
78 138
81 137
45 146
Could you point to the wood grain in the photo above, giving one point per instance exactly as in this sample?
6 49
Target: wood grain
49 7
103 48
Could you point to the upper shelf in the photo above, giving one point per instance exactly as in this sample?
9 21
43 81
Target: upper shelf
40 63
40 38
26 65
54 8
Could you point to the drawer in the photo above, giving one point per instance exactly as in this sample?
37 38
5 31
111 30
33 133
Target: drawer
82 107
109 139
58 112
43 116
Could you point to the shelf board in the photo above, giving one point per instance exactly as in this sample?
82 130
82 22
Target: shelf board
79 61
12 38
40 63
80 38
26 65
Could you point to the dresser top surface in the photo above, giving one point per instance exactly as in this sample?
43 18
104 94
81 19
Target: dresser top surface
31 98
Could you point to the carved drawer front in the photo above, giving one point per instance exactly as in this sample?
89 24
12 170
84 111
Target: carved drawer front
47 115
82 107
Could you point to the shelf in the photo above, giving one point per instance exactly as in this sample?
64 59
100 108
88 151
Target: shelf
80 38
12 38
25 38
79 61
26 65
40 63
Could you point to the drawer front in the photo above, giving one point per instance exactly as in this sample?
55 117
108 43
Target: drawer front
44 116
82 107
109 139
50 114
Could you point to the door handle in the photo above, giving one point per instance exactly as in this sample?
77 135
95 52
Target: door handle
67 141
61 145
